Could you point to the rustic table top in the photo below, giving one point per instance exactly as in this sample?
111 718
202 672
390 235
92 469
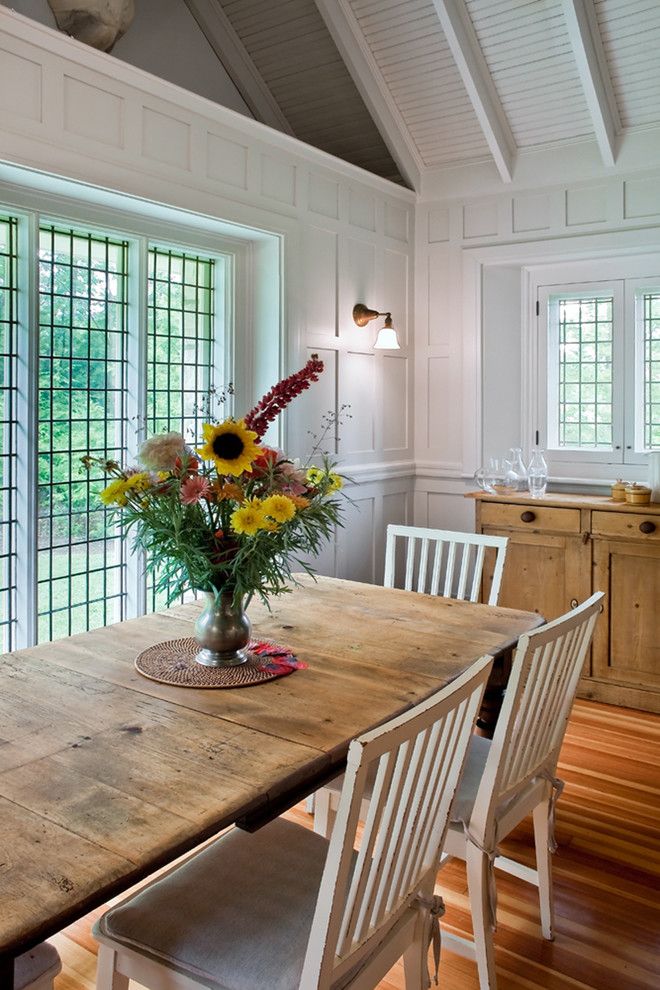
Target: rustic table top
105 775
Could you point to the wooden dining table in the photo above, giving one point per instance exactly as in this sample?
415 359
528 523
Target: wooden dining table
106 776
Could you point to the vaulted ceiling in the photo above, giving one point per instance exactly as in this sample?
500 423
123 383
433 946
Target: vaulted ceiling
402 87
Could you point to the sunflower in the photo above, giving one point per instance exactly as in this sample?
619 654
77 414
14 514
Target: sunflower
230 445
250 518
281 508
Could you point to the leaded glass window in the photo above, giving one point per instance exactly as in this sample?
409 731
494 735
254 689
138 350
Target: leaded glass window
82 409
180 321
8 370
651 357
584 406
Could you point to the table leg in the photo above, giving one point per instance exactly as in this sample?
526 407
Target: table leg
494 694
6 972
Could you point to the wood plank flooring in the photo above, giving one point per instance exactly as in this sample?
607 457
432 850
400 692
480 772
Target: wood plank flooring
607 875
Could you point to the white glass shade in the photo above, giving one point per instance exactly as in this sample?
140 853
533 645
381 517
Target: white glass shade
387 340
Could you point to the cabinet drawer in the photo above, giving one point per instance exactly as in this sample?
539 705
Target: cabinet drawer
544 517
626 524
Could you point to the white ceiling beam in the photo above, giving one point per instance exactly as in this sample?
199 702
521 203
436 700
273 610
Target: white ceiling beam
587 45
347 36
229 48
471 64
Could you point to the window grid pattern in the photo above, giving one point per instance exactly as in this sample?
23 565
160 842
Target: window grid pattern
180 308
585 400
651 317
8 396
82 409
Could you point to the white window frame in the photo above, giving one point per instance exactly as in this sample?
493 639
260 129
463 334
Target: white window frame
634 273
548 297
636 289
236 289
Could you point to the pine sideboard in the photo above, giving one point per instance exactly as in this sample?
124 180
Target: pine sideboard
562 548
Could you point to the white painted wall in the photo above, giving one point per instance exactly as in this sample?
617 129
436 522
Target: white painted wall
471 254
163 39
345 235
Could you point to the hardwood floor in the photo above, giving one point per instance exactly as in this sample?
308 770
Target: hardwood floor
606 872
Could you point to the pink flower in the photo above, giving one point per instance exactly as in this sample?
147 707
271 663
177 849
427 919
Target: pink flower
293 479
193 489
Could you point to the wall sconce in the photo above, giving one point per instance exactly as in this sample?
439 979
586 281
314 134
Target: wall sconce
387 339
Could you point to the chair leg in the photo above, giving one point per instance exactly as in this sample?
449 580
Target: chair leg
544 868
324 812
107 978
415 965
478 877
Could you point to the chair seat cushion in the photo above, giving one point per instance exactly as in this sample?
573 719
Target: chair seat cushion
237 916
35 964
464 802
478 751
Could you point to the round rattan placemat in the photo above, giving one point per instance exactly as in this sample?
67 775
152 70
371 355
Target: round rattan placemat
173 662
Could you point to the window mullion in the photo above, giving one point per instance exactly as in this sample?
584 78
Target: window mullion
619 390
136 402
27 401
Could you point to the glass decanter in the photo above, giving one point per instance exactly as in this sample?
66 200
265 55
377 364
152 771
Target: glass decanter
537 474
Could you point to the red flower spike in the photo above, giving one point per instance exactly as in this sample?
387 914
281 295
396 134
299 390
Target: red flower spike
273 402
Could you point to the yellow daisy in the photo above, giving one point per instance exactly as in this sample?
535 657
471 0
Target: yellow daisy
315 476
230 445
250 518
279 507
115 492
139 482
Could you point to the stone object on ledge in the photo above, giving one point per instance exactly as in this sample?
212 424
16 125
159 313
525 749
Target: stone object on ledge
99 23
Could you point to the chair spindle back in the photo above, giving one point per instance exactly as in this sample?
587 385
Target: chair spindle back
444 562
537 705
418 759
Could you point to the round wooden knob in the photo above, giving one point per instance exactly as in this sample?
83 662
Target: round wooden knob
574 603
528 516
647 527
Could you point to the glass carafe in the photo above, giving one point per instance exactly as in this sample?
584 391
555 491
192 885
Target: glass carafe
517 473
537 474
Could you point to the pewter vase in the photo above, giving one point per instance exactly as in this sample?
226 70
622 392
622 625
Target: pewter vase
222 631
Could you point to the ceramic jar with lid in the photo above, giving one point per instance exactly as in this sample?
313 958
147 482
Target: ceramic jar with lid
638 494
619 490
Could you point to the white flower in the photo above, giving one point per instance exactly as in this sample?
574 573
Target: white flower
159 453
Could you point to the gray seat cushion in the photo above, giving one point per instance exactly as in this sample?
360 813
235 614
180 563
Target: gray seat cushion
237 916
467 791
38 962
478 751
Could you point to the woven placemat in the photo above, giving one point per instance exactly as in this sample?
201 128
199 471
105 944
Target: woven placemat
173 662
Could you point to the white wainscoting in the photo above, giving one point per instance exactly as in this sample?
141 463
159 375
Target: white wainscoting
95 124
471 309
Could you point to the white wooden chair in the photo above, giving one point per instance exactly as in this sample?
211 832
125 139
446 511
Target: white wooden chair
37 969
285 909
462 554
510 777
442 562
514 775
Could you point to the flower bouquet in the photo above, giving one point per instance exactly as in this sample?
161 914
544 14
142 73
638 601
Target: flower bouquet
228 516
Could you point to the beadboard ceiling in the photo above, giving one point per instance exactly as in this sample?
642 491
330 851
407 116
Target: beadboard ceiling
402 87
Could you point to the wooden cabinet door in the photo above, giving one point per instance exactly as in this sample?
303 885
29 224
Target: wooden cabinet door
543 572
627 639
